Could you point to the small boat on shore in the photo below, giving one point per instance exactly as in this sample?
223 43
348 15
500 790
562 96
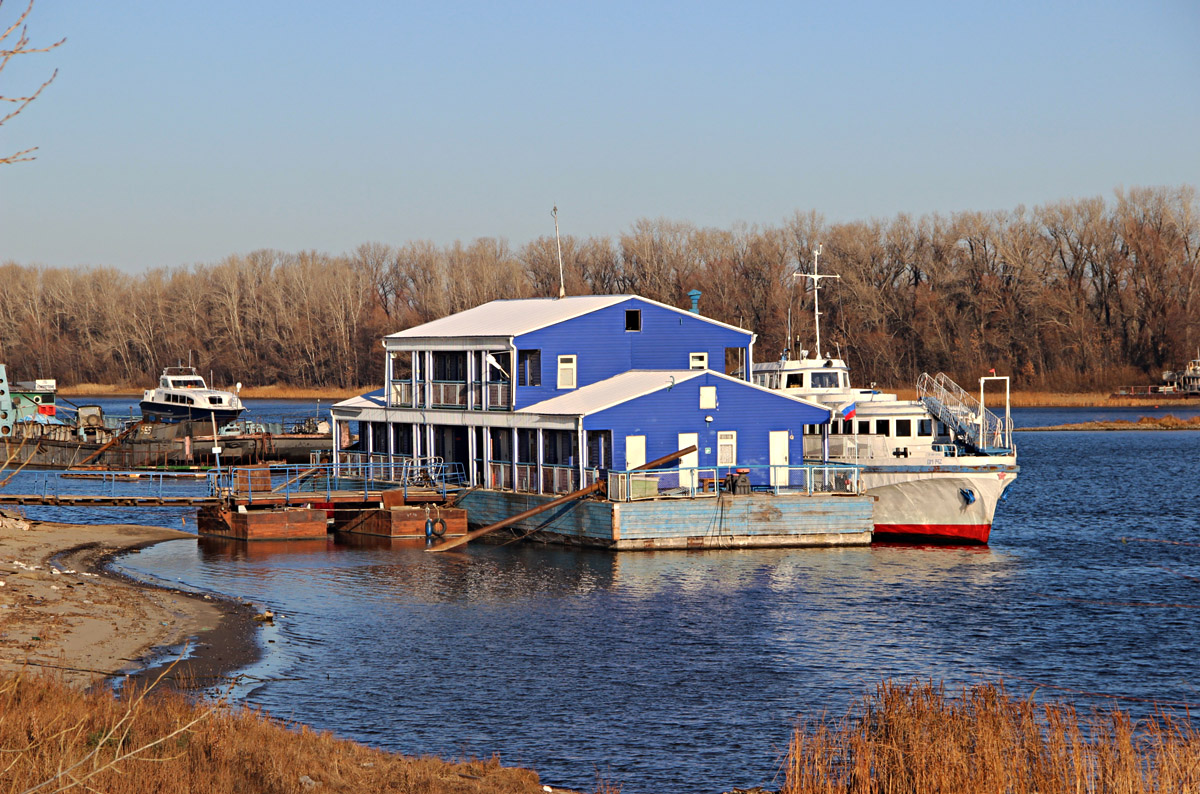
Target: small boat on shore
182 395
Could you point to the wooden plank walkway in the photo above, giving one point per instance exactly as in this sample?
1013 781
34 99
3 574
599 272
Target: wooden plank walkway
92 500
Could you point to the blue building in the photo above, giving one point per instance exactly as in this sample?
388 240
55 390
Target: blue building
542 395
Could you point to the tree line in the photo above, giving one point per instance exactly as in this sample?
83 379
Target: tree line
1079 294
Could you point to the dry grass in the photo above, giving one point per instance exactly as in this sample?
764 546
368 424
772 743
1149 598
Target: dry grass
913 738
279 392
54 738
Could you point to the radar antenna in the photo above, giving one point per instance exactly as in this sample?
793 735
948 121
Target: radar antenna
816 280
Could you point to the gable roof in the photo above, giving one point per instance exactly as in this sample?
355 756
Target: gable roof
630 385
510 318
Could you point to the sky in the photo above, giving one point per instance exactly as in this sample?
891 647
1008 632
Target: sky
179 133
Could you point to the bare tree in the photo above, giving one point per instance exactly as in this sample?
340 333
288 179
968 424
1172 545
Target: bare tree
9 49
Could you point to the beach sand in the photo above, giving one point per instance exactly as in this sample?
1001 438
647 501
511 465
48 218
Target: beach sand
61 611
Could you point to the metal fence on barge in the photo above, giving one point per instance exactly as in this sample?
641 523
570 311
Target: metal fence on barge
327 482
693 483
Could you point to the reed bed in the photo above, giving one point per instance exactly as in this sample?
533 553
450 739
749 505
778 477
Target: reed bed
54 738
912 738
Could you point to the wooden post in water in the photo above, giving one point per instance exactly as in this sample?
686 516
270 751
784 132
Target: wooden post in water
533 511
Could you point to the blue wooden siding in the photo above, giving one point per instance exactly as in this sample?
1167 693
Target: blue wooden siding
750 412
604 348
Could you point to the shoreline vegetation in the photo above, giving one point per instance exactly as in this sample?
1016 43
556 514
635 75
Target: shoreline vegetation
1054 295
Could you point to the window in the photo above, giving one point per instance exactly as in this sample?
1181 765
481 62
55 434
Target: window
925 427
795 380
903 427
566 372
864 427
698 361
529 368
708 397
883 427
824 380
633 319
726 448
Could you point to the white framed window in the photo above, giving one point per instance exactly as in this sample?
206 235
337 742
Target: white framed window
708 397
566 372
698 361
727 448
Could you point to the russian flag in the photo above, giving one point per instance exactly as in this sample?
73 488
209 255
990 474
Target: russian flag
849 410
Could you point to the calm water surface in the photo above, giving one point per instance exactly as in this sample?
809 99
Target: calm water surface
683 671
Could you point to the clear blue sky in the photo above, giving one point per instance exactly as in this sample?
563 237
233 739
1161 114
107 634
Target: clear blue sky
182 132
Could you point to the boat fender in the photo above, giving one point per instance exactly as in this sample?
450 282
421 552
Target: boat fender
439 527
968 495
428 528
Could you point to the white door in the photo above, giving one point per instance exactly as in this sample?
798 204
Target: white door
635 451
689 462
779 457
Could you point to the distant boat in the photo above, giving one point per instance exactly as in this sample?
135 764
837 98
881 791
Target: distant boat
183 395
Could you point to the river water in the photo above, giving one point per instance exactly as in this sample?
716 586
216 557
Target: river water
684 671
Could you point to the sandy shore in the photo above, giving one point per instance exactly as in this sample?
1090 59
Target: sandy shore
60 610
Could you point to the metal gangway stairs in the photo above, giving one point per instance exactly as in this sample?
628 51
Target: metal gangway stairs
980 430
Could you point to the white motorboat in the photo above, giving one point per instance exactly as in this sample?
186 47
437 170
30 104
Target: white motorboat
183 395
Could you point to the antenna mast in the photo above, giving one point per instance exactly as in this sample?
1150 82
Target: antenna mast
816 280
562 292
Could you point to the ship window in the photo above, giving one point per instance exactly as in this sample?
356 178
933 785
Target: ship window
795 380
864 427
903 427
698 361
529 367
824 380
566 372
633 319
925 427
189 401
883 427
214 401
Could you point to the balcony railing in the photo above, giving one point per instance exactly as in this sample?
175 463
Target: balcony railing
402 393
448 394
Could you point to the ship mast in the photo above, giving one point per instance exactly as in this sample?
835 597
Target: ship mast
816 280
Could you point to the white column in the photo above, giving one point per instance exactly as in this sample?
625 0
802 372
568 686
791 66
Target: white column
513 455
337 443
540 458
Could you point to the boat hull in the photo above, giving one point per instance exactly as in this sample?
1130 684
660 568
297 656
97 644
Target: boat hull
951 505
188 413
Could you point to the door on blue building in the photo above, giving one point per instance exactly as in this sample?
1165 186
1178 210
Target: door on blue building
635 451
689 462
778 440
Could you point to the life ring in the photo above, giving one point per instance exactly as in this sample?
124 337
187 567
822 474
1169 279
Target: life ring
439 527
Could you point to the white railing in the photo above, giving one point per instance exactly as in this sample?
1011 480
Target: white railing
690 483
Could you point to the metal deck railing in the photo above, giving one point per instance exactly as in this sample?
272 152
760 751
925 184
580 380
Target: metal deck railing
975 426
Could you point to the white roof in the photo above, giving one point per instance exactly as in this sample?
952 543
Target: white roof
373 399
636 383
614 391
511 317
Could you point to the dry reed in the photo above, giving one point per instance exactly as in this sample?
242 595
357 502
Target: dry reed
913 738
54 738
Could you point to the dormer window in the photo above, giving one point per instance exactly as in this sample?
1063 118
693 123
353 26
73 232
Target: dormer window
633 319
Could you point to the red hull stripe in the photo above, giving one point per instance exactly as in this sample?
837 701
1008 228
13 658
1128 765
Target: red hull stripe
956 532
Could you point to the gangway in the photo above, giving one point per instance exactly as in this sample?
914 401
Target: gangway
980 430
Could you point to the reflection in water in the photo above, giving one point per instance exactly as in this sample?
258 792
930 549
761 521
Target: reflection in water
683 671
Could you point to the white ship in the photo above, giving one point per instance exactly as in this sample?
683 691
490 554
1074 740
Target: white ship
937 466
